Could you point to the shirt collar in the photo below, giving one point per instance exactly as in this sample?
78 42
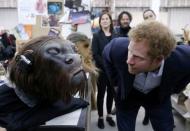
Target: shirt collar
159 71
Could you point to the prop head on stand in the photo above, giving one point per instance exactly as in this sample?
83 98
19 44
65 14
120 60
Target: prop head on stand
49 69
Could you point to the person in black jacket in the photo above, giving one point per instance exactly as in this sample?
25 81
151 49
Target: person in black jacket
8 46
124 20
99 41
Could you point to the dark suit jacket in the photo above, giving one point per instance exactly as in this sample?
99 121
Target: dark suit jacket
120 32
99 41
176 72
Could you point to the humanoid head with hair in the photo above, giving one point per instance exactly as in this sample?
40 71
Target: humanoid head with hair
83 45
49 69
159 38
150 43
82 42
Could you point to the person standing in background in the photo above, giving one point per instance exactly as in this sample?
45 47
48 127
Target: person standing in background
124 20
99 41
149 15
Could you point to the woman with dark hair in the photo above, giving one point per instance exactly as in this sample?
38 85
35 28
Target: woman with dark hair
99 41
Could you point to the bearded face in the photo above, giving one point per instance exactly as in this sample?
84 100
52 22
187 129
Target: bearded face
49 69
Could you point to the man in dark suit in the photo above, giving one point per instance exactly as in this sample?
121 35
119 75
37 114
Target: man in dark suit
147 70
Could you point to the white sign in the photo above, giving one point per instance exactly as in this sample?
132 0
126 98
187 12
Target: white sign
26 12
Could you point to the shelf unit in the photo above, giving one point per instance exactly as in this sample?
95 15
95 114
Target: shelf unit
179 108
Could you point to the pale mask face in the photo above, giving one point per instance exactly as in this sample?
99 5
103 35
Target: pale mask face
83 48
138 60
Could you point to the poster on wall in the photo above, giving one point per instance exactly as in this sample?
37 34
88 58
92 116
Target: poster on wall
52 18
76 17
41 7
55 8
26 13
80 17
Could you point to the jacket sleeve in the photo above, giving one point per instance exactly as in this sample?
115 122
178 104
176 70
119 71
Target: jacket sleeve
96 51
181 75
108 63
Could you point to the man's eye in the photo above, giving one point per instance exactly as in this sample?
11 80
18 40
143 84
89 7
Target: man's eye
53 51
138 58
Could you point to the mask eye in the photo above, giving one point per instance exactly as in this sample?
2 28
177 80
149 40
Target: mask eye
86 45
53 51
145 18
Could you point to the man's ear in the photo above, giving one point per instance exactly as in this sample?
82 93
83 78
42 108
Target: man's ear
159 59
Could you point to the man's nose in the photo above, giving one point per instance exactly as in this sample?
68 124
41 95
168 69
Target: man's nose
130 60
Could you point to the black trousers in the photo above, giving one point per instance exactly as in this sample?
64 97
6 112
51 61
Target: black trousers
160 113
103 85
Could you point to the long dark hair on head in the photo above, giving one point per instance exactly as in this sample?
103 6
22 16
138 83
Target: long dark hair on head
111 25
